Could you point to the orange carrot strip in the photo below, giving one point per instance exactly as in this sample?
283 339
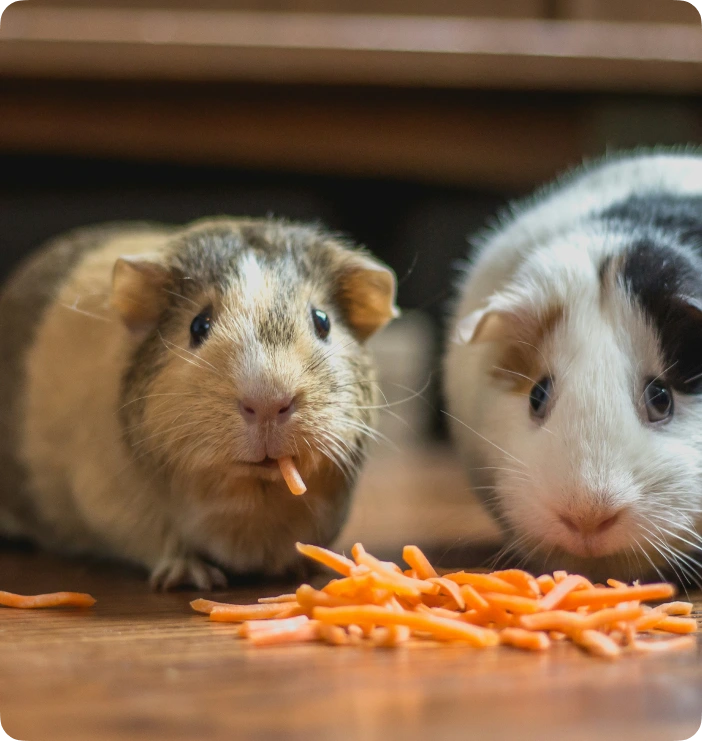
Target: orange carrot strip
677 625
439 628
616 583
649 621
308 596
333 634
291 633
559 620
525 582
206 605
612 615
597 644
559 576
327 558
291 475
417 561
483 582
382 575
242 613
596 598
274 600
473 599
512 603
546 583
520 638
451 589
347 587
562 589
671 644
54 599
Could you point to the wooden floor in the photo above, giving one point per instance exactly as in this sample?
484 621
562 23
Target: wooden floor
142 666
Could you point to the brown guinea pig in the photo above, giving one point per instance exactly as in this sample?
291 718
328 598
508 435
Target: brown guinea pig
150 377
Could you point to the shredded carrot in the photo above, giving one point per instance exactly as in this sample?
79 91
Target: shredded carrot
327 558
376 603
528 639
562 589
603 597
418 562
291 475
55 599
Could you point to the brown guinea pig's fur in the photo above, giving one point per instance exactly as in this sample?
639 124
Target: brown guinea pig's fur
123 436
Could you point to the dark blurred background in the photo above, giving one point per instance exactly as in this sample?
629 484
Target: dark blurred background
404 123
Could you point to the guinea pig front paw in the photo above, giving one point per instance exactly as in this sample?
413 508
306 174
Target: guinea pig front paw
181 571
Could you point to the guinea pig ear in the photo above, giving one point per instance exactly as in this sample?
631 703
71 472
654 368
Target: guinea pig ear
367 291
483 325
137 290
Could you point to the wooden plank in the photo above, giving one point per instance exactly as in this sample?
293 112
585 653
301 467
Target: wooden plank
430 138
645 11
343 49
466 8
143 667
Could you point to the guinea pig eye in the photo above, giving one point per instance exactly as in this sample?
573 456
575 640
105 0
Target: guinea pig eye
540 396
200 327
659 401
321 322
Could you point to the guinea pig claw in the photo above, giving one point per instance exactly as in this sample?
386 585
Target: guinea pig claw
180 571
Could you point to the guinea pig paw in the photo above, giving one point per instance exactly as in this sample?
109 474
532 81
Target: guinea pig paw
180 571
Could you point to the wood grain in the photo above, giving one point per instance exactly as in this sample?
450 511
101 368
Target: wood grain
142 666
113 42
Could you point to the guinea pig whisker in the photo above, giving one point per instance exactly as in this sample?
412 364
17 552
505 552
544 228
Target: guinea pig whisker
325 356
520 375
151 396
681 573
184 298
543 357
198 362
678 536
414 395
660 375
648 558
74 307
482 437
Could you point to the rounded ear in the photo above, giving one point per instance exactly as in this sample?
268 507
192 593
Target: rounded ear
138 295
367 291
483 325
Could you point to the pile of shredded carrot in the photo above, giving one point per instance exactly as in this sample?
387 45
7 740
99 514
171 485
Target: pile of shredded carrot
377 603
56 599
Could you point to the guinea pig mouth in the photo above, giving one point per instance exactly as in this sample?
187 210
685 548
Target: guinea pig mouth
267 462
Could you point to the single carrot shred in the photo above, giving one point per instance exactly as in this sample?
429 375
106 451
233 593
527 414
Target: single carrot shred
54 599
291 475
376 603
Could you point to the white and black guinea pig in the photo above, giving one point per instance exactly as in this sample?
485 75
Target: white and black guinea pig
573 373
151 376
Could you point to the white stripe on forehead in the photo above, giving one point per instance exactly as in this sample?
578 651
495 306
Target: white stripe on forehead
251 275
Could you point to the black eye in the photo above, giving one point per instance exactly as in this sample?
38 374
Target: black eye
200 327
540 396
659 401
321 322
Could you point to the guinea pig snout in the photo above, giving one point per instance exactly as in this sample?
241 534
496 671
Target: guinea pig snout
261 409
593 522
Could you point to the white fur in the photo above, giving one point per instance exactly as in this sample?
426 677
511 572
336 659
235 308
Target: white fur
596 453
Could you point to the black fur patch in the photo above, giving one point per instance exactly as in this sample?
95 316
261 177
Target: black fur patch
666 278
679 216
667 282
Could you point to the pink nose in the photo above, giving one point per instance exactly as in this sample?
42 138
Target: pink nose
257 410
594 523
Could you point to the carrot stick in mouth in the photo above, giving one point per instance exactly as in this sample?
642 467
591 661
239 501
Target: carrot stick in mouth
291 475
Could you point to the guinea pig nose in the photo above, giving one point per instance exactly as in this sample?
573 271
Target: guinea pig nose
267 409
591 524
